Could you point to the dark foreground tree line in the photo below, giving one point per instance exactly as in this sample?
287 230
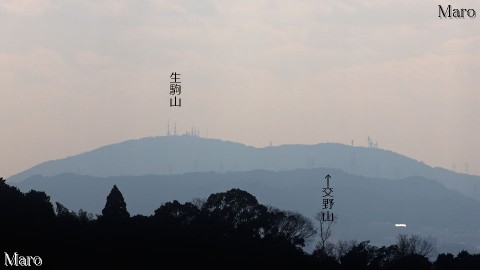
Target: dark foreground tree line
228 230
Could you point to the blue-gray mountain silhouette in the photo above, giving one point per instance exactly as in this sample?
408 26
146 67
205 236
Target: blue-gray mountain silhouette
183 154
367 208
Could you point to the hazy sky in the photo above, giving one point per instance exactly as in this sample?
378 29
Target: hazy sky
76 75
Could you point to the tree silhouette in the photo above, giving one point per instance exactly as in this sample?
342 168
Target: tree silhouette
64 214
413 244
115 208
177 214
412 261
445 262
383 257
358 256
467 261
291 226
325 231
235 210
39 208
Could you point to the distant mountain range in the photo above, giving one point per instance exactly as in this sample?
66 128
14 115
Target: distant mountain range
374 188
183 154
367 208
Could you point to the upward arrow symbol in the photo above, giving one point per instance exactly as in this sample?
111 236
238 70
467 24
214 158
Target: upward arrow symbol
328 179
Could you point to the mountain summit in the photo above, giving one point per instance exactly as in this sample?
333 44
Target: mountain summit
169 155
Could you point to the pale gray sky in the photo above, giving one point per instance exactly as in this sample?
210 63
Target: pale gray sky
76 75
